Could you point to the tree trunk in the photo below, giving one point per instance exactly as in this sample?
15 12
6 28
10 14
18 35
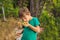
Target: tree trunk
32 7
4 18
37 8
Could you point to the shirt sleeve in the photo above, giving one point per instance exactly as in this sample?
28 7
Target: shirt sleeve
36 22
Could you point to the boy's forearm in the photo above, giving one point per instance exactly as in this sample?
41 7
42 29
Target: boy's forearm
34 28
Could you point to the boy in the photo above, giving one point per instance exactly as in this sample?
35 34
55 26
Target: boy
31 25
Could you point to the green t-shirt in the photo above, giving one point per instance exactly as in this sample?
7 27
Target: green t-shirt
29 34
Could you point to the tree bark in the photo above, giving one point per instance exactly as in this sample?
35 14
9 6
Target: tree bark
32 7
37 8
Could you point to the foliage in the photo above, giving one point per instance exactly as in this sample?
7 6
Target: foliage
49 24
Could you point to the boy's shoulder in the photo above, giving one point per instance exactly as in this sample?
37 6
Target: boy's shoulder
35 18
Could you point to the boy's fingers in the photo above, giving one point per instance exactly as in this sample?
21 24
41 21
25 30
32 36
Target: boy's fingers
41 30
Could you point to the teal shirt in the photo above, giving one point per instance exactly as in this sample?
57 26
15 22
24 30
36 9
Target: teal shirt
29 34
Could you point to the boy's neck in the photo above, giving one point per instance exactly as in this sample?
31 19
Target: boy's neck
30 17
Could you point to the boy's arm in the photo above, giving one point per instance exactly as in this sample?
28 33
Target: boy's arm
36 24
36 29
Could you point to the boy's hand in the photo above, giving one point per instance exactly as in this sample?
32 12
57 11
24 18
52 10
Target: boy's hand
41 29
25 24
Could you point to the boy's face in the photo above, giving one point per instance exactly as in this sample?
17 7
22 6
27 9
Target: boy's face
26 17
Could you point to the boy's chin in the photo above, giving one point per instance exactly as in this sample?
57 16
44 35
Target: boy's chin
26 20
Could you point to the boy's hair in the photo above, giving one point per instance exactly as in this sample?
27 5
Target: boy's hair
23 11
